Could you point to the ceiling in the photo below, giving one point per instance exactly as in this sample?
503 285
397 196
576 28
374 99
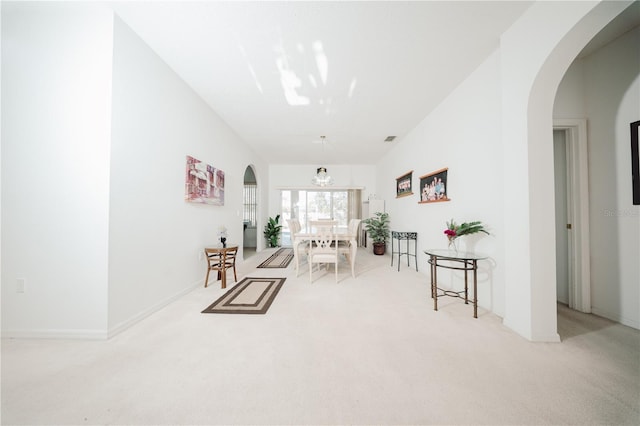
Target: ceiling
283 74
624 22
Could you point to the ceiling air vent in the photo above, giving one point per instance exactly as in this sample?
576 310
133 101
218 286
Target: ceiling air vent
389 138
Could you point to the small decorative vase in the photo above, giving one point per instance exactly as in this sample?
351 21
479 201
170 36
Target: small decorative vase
223 240
453 244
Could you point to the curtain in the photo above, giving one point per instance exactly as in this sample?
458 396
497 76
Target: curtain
355 204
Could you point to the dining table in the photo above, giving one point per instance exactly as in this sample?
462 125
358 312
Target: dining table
342 235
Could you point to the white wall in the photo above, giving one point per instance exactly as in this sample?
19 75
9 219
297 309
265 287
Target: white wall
56 99
528 173
156 238
605 88
536 52
570 98
93 210
533 56
462 134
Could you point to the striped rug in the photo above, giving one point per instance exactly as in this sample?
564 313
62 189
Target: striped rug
250 296
279 259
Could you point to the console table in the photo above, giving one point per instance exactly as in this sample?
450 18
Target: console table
462 261
406 236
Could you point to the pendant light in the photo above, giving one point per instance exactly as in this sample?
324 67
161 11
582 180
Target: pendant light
322 178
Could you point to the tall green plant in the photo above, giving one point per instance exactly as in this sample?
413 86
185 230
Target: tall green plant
272 231
378 227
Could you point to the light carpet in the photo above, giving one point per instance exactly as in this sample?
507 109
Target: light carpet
369 350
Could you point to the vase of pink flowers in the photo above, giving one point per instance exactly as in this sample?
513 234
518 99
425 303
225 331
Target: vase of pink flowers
455 231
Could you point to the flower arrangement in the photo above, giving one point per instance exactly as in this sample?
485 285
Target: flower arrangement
222 232
454 230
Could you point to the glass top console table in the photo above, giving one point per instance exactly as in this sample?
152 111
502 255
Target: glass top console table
459 260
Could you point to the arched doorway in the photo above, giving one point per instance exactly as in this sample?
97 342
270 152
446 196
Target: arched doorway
605 78
535 54
249 213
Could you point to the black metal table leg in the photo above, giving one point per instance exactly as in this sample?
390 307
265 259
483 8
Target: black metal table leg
463 261
475 289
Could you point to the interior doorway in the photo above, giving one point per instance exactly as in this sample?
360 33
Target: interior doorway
563 227
249 213
573 276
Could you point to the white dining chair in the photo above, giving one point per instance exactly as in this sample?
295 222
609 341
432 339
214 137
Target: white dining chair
298 246
347 248
323 249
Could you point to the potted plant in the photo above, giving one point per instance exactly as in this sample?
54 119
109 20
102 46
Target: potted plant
377 228
272 231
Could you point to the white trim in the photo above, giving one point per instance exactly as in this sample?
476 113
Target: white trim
578 181
549 338
98 334
629 322
56 334
142 315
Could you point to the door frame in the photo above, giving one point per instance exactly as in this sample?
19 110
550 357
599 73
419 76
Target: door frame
578 212
564 246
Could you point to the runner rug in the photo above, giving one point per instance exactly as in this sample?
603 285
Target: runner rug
279 259
250 296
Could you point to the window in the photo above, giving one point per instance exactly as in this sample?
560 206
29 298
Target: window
250 205
306 205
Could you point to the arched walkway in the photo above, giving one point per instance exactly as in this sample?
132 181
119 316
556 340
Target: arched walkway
535 54
250 214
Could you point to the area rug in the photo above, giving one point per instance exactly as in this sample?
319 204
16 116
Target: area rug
279 259
250 296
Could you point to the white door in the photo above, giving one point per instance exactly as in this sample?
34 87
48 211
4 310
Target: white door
572 213
562 215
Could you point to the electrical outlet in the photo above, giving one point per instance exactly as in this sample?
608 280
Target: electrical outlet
21 285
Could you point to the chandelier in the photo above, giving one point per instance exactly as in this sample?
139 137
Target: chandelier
322 178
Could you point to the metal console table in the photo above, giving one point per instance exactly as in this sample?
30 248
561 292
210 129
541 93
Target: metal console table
462 261
407 236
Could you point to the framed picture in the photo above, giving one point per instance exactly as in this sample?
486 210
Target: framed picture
433 187
203 183
635 162
403 185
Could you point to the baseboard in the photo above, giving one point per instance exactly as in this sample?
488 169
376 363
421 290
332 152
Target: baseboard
616 317
546 338
55 334
97 334
532 337
119 328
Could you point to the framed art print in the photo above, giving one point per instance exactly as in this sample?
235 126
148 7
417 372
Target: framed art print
403 185
433 187
203 183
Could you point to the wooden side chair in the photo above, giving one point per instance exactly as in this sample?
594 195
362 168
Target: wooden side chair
221 259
